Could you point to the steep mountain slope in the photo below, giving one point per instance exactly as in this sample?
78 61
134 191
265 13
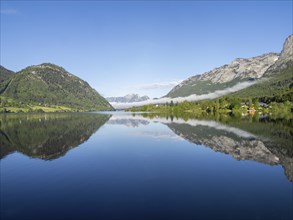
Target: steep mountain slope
285 59
225 76
128 98
5 73
277 80
48 84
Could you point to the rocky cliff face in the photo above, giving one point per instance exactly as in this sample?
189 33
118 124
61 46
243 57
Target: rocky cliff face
237 71
241 68
225 76
285 58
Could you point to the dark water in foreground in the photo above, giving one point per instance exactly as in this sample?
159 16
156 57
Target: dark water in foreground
92 166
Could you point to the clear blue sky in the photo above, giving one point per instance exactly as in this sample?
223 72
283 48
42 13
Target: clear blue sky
144 47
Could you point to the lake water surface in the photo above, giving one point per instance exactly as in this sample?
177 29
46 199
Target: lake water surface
120 166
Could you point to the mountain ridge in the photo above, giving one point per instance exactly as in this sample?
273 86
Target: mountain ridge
5 73
277 80
239 70
228 75
51 85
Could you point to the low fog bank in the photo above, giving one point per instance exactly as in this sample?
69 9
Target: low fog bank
212 95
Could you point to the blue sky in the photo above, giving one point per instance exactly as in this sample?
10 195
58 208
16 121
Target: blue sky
143 47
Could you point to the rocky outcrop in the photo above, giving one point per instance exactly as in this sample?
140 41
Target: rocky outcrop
237 71
241 68
285 58
225 76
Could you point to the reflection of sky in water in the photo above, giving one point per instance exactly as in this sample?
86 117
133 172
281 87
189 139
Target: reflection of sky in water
125 171
140 120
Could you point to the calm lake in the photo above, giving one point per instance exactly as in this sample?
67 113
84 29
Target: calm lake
123 166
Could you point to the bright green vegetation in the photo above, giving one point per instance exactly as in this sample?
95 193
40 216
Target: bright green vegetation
222 105
277 88
48 87
272 95
202 87
10 106
46 136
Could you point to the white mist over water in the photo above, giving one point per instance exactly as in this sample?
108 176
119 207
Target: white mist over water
194 97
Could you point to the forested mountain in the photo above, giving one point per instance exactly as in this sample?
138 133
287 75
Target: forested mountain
5 73
50 85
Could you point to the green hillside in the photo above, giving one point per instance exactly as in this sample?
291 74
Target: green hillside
49 86
202 87
278 86
5 73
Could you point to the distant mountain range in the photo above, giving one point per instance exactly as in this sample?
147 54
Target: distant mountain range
128 98
49 85
240 70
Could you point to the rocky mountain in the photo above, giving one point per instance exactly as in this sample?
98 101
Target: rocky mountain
48 84
278 78
5 73
285 59
275 68
128 122
225 76
128 98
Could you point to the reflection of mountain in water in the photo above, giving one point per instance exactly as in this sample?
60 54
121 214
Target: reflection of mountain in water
266 140
46 136
129 122
241 148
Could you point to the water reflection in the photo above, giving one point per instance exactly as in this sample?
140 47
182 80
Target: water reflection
49 136
129 122
46 136
266 141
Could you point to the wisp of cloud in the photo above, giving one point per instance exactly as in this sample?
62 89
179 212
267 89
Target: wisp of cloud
194 97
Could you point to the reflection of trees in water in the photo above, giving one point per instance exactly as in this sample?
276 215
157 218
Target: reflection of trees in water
270 141
272 145
46 136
